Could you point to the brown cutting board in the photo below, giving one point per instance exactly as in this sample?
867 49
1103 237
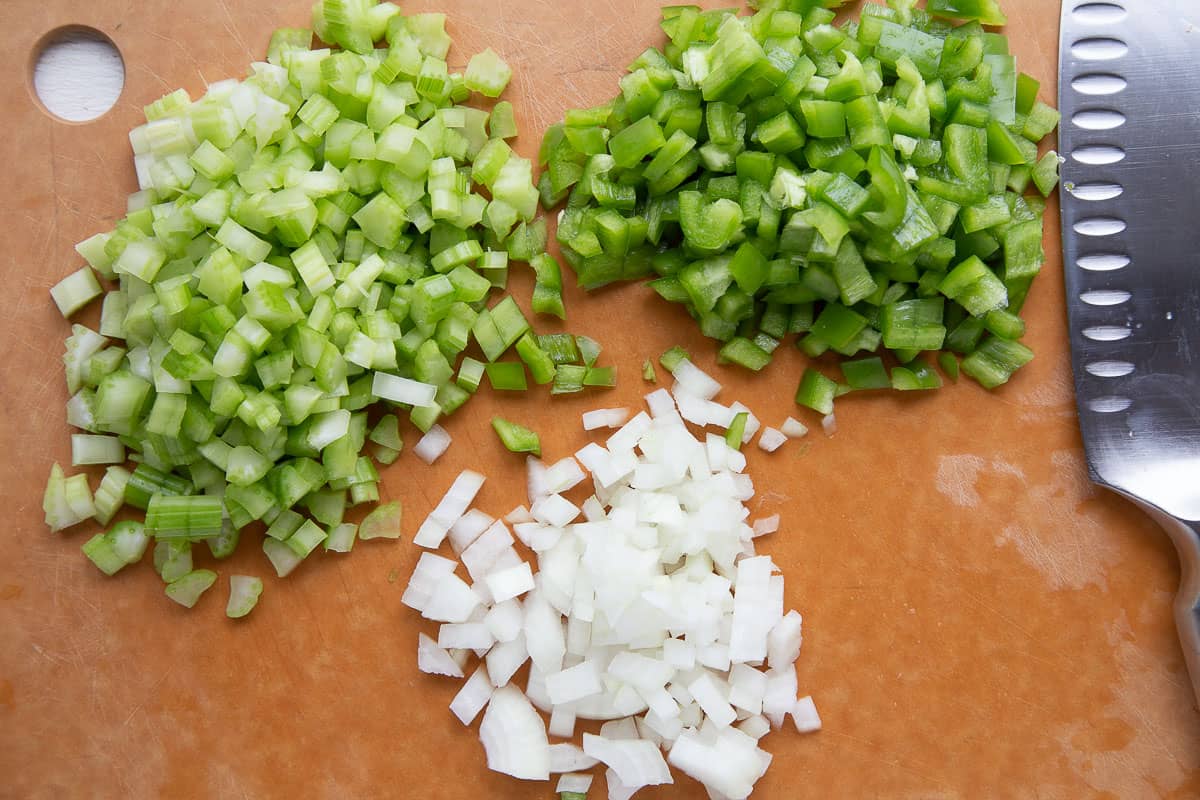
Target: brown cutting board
980 621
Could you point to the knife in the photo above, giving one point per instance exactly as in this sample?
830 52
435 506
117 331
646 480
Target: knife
1129 92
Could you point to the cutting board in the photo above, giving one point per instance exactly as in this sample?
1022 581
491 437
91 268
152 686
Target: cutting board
979 620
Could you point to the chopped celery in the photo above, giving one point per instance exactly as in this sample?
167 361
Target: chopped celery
244 591
382 523
273 286
186 589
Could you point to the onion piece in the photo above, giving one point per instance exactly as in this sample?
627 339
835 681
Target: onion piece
429 572
468 528
452 600
636 762
434 660
573 683
473 696
605 418
766 525
690 379
771 440
793 428
805 715
564 475
504 620
518 514
829 424
505 659
554 510
465 636
783 643
562 721
661 404
449 510
431 446
511 582
514 736
566 757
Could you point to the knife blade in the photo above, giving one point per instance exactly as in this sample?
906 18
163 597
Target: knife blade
1129 92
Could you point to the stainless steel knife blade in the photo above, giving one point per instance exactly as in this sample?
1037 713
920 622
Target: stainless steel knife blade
1129 92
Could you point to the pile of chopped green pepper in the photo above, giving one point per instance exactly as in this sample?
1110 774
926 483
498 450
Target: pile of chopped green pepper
863 185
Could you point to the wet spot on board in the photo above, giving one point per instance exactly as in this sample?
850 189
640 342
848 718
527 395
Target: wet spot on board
7 700
1119 750
1105 736
10 591
957 477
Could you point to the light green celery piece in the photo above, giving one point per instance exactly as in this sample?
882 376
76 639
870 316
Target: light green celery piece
187 589
75 291
382 523
341 538
244 591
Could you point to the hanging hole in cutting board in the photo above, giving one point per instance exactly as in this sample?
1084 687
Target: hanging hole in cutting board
78 73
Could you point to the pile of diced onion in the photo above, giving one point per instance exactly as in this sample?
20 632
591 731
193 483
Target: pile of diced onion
649 610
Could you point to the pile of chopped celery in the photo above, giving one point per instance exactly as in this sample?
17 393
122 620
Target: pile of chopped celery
310 244
864 185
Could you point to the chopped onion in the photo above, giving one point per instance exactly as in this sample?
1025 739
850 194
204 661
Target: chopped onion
660 403
793 428
430 570
518 514
505 659
452 600
465 636
431 446
690 379
648 608
605 418
636 762
504 620
566 757
783 643
434 660
564 475
514 736
805 715
511 582
467 529
756 726
554 510
562 722
829 424
473 696
449 510
712 700
574 683
766 525
771 440
535 479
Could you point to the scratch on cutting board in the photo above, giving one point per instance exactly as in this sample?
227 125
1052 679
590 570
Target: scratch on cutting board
1066 543
956 479
1122 749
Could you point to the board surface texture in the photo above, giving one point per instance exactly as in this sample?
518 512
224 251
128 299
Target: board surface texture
980 622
